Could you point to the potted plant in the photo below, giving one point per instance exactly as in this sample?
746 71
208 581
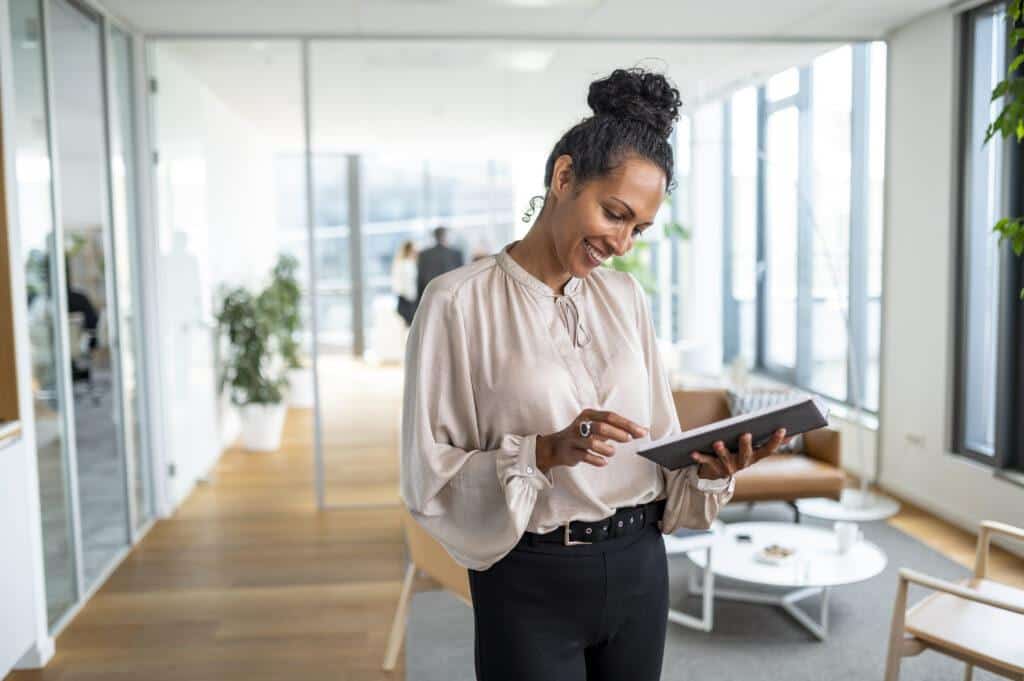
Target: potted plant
252 369
284 297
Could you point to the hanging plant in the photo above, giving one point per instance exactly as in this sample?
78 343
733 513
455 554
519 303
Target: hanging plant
1010 121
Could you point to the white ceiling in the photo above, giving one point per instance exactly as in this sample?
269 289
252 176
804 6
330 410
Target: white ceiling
485 72
373 94
753 19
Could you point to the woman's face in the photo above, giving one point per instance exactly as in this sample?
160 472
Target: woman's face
607 216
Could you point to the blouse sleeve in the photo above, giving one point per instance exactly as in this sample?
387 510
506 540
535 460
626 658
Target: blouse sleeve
476 502
691 501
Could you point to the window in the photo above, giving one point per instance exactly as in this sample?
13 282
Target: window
402 199
782 135
741 211
665 252
803 222
989 339
831 106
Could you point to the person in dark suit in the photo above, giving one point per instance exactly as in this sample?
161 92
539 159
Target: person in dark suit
435 261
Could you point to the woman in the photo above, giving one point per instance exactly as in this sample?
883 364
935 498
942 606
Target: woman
403 280
532 379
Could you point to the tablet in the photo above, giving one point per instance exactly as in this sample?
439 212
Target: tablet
797 416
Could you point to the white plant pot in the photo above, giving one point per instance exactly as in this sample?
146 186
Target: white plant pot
300 388
262 425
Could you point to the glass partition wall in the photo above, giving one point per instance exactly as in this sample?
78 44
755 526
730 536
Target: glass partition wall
74 155
294 162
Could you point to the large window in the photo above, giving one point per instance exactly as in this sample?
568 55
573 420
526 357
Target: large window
402 199
802 224
989 338
741 267
666 251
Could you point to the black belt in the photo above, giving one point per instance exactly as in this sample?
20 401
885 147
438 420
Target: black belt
624 522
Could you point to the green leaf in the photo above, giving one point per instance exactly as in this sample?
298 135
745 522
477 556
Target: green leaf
676 230
1015 64
1000 89
1015 9
1016 36
1022 294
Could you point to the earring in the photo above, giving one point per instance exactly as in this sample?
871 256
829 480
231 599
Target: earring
528 213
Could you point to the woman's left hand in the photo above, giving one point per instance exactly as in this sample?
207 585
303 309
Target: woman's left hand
724 463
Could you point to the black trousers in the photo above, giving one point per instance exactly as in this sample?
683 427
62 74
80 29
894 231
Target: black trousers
598 612
406 309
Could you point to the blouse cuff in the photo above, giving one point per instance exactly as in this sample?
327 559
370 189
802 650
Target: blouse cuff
710 485
517 458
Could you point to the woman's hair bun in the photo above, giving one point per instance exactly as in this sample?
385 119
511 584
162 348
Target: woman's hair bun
639 95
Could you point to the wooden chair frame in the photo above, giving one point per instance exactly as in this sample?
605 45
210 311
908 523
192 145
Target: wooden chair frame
903 645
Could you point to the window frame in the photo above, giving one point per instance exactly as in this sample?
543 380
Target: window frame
1009 399
799 375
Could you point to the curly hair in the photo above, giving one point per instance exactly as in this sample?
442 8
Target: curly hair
634 112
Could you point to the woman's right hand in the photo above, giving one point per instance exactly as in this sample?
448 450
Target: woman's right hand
568 448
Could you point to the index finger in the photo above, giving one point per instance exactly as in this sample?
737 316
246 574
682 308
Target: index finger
770 447
619 421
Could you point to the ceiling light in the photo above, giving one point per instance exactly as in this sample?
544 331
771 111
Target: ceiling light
547 4
525 61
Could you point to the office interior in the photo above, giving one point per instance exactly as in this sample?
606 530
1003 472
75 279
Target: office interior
836 196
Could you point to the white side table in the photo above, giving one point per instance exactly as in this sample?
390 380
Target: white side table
697 544
816 568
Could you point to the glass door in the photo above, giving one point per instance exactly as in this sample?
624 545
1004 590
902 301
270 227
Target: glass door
43 278
93 361
124 213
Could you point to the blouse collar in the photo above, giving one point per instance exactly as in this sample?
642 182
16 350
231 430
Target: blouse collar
532 283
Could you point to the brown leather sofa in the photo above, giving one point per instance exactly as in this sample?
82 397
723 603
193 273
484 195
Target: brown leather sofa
780 477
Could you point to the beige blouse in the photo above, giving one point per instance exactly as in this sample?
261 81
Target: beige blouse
495 358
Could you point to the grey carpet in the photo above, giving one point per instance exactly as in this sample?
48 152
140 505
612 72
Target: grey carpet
749 642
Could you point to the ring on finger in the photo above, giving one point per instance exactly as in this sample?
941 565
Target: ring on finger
586 428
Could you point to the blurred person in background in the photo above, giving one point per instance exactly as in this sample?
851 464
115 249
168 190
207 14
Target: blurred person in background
403 280
436 260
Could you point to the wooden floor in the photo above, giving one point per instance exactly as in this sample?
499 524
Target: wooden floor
248 581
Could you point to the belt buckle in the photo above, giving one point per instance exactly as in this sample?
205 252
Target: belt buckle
571 542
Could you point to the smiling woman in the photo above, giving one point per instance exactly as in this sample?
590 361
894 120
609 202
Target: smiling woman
560 524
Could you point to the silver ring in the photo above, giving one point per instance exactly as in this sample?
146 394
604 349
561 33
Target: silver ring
585 428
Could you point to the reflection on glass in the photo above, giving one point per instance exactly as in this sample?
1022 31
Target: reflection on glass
79 106
832 76
35 220
781 235
123 209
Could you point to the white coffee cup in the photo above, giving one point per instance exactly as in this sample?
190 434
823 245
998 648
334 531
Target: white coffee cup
847 535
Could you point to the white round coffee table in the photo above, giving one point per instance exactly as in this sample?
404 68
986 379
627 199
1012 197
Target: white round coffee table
816 567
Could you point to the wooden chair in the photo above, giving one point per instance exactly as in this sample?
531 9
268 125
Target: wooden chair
978 621
426 555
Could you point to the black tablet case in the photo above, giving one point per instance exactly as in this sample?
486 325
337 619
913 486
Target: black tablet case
796 416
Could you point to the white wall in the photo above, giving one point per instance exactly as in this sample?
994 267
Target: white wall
217 225
23 631
920 258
